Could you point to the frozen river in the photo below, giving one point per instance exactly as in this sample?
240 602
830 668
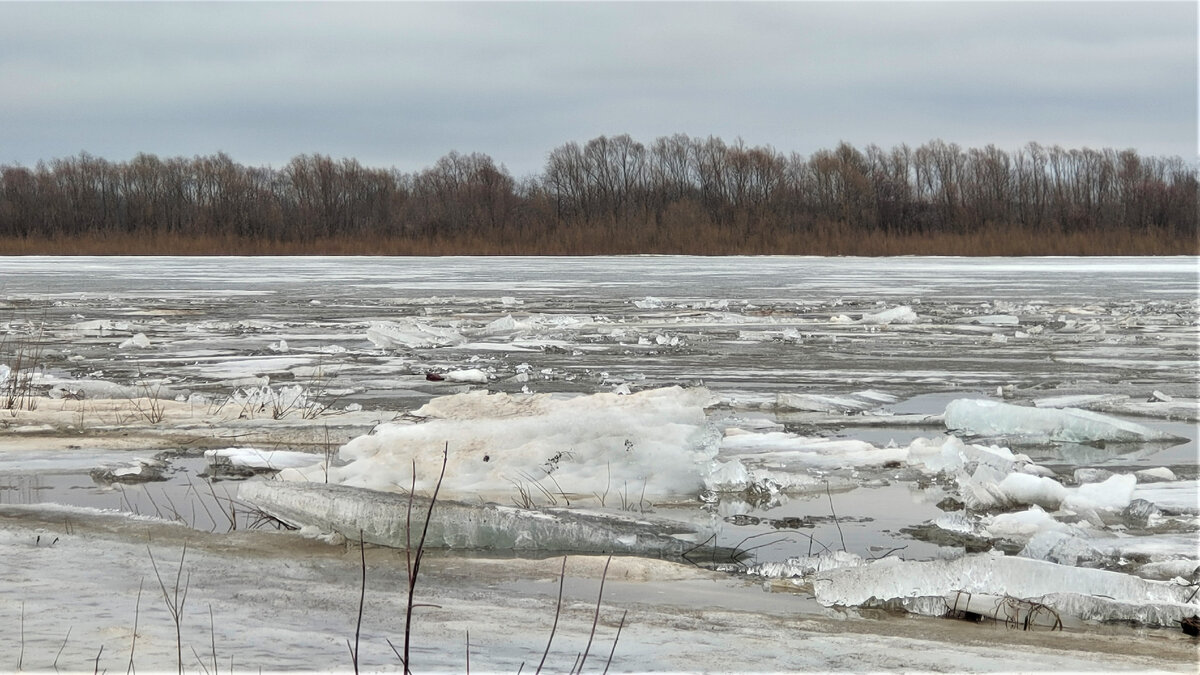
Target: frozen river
737 324
802 359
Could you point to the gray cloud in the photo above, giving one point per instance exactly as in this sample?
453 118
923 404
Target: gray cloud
403 83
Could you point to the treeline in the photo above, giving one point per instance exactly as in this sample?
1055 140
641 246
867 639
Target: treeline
615 195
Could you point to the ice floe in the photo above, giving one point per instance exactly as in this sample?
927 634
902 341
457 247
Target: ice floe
1031 425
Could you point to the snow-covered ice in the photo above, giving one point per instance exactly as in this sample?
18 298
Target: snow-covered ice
653 445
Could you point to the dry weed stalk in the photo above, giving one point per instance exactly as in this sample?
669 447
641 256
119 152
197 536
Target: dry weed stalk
175 600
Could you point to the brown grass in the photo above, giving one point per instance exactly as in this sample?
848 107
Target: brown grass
830 240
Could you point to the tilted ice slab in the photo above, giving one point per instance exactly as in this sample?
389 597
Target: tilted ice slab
1020 424
1089 594
383 519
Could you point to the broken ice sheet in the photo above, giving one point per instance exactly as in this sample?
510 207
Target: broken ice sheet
980 418
1090 594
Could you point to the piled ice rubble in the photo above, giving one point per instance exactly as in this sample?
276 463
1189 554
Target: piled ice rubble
901 314
1178 497
384 518
1090 594
987 488
805 566
651 445
980 418
411 334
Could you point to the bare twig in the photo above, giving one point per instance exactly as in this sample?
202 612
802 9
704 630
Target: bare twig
362 597
21 654
596 617
61 648
835 518
562 576
200 661
416 564
137 609
175 601
212 632
615 640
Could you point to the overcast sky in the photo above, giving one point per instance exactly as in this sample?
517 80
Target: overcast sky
401 84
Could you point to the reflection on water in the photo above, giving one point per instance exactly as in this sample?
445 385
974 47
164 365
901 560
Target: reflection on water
186 496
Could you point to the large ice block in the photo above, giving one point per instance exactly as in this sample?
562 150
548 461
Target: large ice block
655 445
383 518
1025 425
1090 594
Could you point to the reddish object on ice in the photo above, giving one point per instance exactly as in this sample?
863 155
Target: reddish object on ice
433 377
